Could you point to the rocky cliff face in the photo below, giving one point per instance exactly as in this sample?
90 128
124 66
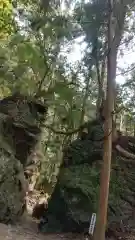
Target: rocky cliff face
19 129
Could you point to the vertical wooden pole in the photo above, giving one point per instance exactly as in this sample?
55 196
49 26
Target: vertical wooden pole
105 173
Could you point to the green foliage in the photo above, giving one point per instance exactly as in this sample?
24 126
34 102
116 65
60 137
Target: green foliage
6 11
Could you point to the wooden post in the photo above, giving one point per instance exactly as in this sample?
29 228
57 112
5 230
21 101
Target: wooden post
105 173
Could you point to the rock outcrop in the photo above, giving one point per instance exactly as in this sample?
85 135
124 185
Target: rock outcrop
76 194
19 133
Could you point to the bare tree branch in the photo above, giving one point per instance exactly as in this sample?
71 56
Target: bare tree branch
62 132
127 71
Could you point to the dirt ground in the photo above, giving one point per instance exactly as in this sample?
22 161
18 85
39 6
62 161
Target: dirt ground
27 230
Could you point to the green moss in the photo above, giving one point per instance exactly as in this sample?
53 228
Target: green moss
78 185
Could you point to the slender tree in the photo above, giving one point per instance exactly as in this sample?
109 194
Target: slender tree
115 28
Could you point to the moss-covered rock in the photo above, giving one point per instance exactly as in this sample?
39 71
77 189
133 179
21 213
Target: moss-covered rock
12 195
76 195
19 134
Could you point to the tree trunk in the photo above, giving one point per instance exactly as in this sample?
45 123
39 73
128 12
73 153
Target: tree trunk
86 94
100 87
121 122
113 42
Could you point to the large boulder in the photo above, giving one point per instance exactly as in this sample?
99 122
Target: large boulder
76 194
19 134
